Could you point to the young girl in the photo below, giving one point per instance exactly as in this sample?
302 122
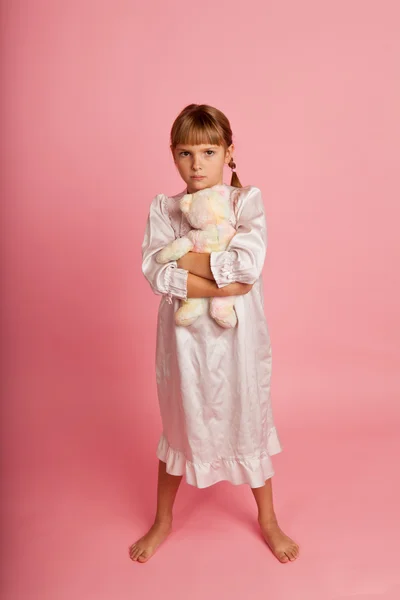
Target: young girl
213 383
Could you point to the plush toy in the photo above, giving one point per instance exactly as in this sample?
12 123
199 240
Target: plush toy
208 212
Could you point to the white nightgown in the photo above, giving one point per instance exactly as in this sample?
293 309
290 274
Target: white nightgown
213 383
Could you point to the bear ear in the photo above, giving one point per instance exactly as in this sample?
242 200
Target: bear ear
186 202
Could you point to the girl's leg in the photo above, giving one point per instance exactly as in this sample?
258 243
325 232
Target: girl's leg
167 488
283 547
265 504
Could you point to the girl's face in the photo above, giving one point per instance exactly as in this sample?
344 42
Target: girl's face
205 160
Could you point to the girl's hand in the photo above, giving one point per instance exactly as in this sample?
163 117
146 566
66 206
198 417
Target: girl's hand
236 289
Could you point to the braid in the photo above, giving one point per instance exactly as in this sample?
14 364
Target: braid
235 181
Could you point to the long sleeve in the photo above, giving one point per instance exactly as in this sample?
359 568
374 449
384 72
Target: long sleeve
164 279
244 257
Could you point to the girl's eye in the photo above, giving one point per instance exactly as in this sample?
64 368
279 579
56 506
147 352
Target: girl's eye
186 152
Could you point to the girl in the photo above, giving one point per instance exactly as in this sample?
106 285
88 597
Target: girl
213 383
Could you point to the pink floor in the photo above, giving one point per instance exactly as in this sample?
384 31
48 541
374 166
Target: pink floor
68 526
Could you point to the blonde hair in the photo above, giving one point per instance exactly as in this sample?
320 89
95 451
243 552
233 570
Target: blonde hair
203 124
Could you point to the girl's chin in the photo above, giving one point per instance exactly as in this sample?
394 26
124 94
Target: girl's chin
197 184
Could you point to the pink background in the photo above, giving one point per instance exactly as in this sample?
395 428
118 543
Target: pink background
90 91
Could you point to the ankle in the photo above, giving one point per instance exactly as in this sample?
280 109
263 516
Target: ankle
268 519
165 521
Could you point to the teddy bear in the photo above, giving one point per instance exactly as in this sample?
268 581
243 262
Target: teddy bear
207 211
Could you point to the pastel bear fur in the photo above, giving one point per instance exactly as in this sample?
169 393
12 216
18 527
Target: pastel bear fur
208 213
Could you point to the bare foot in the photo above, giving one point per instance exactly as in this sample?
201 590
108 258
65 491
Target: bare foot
282 546
145 547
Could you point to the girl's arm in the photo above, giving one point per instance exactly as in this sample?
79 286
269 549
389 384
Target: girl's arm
197 263
201 287
166 279
244 257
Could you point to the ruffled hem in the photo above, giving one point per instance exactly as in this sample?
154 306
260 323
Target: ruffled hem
253 470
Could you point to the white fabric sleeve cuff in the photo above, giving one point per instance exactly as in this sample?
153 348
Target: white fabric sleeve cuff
221 265
176 282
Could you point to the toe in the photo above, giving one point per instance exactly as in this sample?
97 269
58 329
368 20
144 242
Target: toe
283 557
143 557
288 554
